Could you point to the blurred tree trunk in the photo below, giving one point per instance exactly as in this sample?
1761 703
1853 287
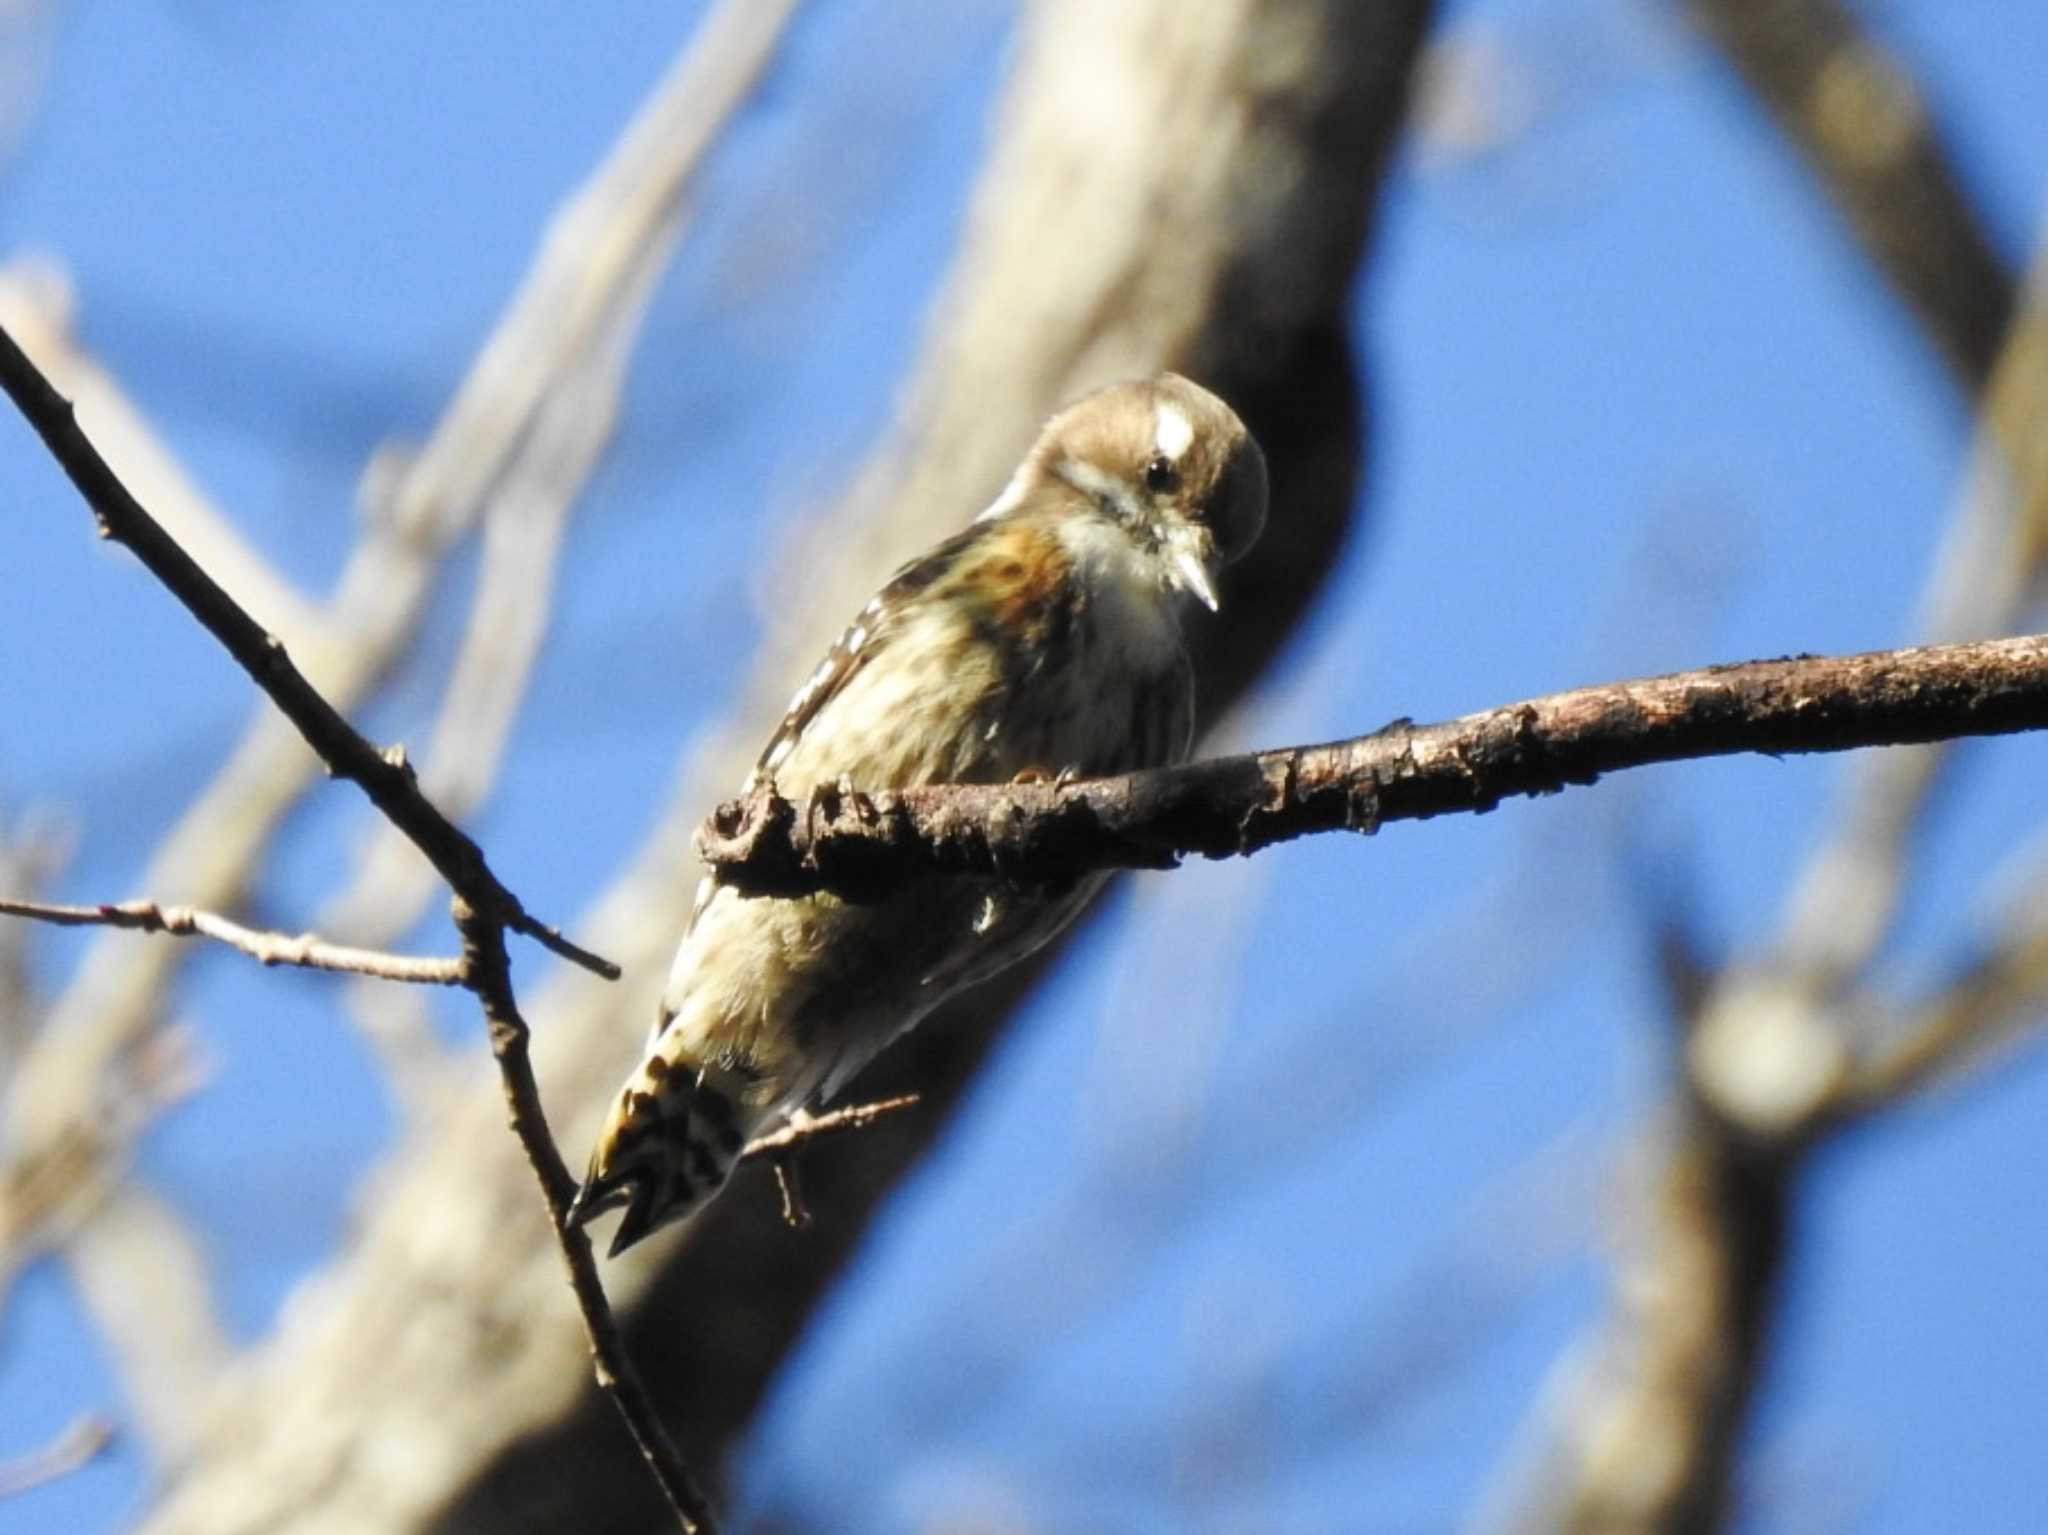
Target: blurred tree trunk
1170 185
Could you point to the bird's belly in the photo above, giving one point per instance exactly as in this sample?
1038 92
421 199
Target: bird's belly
797 995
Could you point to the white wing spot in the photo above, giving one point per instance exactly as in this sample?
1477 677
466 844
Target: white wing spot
1011 498
1172 431
809 690
986 917
856 637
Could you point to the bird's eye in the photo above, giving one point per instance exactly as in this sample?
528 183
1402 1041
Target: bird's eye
1160 475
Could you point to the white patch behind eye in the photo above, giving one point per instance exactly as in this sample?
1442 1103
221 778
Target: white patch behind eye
1011 498
1172 432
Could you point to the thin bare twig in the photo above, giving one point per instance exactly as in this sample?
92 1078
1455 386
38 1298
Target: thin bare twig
483 907
304 949
490 977
789 1189
573 317
781 1146
383 776
1228 806
38 305
801 1128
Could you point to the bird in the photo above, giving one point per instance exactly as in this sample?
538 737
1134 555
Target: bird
1046 640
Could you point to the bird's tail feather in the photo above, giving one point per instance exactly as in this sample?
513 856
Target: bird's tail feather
668 1144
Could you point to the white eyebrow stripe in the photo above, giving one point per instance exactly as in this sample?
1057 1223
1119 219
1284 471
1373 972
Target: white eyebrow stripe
1098 485
1173 432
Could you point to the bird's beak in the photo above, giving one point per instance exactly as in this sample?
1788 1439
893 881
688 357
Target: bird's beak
1188 550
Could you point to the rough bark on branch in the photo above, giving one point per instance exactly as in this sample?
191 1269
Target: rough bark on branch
859 843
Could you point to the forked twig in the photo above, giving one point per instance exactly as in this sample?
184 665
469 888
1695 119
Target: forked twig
484 908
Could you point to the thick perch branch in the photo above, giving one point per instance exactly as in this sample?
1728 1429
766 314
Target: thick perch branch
860 844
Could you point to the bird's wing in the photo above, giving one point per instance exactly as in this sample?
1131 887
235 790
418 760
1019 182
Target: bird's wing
850 652
842 663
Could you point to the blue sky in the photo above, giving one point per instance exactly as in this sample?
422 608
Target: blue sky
1639 405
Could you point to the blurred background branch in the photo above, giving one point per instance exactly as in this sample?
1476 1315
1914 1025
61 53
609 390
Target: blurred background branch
1863 124
70 1450
1778 1050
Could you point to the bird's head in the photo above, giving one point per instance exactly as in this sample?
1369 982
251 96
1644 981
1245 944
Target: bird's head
1167 464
